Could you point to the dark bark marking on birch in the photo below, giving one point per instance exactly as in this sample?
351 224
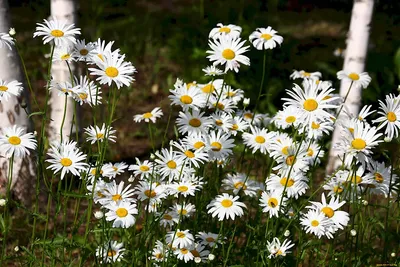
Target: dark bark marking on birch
11 117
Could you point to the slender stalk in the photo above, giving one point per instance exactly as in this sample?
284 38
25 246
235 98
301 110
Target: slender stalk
63 119
261 86
7 208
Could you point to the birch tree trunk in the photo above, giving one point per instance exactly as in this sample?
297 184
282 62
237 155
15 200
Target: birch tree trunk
11 113
62 10
356 51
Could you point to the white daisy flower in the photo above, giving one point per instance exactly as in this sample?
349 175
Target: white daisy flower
144 169
238 125
390 116
280 144
221 121
223 104
358 79
227 51
116 168
104 171
289 116
98 190
64 88
318 129
168 219
184 254
6 40
236 95
149 116
100 50
382 176
64 53
198 251
121 214
168 164
96 134
185 154
83 50
265 38
305 75
195 141
277 249
212 71
184 210
116 193
110 252
153 191
226 206
183 188
240 181
160 252
314 153
315 222
258 139
294 186
87 92
113 69
222 30
193 122
272 202
61 33
365 112
67 159
187 99
14 141
336 185
179 238
209 239
220 144
7 89
213 87
295 160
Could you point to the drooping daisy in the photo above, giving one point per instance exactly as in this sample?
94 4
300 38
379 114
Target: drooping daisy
96 171
280 144
144 169
121 214
193 122
227 51
226 206
64 53
295 160
96 134
113 69
100 50
365 112
83 50
195 141
304 74
14 141
276 249
87 91
9 88
314 153
335 184
272 202
390 116
179 238
64 88
240 181
6 40
212 87
265 38
97 191
382 176
198 251
209 239
221 145
61 33
318 129
110 252
67 159
222 30
160 252
258 139
358 79
223 104
149 116
212 71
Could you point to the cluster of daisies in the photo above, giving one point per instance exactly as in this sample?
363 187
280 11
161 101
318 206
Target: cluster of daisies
212 122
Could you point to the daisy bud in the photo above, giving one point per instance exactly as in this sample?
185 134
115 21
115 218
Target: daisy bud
131 179
393 254
246 102
365 203
16 249
287 233
353 232
197 260
98 214
11 32
211 257
3 202
398 88
152 156
387 139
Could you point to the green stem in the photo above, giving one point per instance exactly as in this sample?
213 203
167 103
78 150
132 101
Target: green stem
7 208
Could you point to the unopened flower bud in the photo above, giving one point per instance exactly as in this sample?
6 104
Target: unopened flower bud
197 260
365 203
16 249
393 254
387 139
11 32
353 232
211 257
98 214
246 102
131 179
3 202
287 233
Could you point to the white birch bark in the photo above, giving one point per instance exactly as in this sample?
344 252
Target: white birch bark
356 51
11 113
62 10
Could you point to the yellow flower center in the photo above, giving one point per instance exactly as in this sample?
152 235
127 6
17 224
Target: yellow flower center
147 115
14 140
358 144
83 52
290 160
226 203
190 85
354 76
314 223
65 56
111 72
272 202
310 105
184 251
230 94
260 139
159 256
239 185
310 152
171 164
189 154
218 122
195 122
208 89
315 125
150 194
337 189
111 253
235 127
183 212
266 36
329 212
351 130
289 183
93 172
3 88
228 54
290 119
248 115
99 136
219 105
121 212
57 33
216 146
378 177
66 162
285 150
183 188
306 74
391 116
198 145
195 253
356 179
180 234
114 168
185 99
225 30
116 197
144 168
83 96
210 239
167 217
